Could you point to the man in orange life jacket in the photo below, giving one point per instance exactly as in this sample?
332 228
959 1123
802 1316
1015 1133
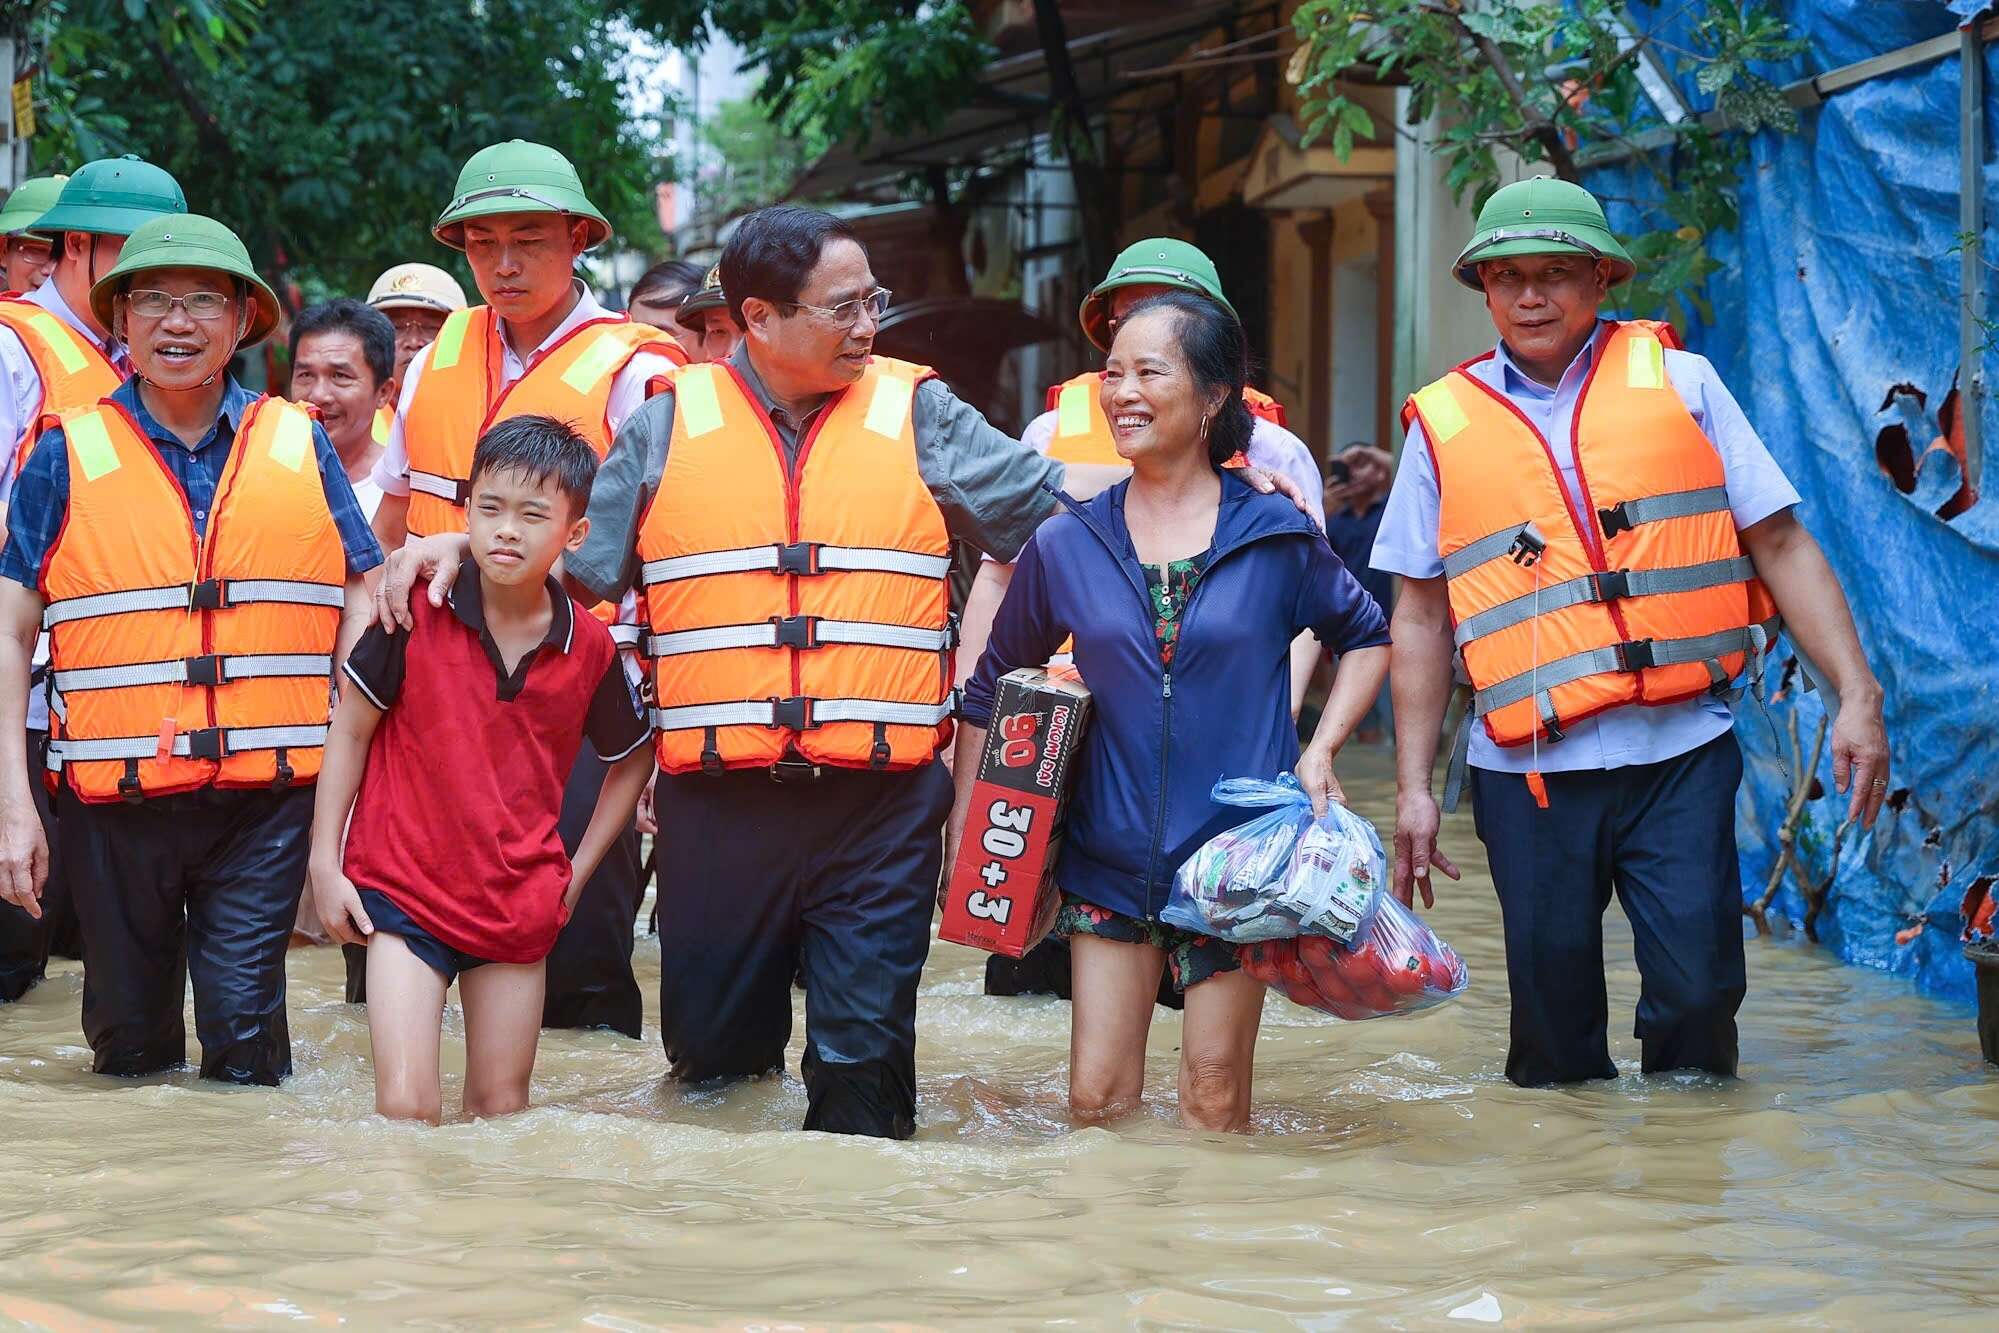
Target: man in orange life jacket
788 514
1587 524
56 357
540 345
197 557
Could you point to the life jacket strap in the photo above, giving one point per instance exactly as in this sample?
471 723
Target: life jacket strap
1636 655
804 558
1522 542
797 632
451 490
1651 508
211 670
208 595
1607 586
210 743
802 714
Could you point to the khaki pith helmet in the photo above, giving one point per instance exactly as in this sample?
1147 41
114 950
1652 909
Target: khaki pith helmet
417 287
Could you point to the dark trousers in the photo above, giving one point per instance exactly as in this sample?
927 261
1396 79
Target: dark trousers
841 871
25 941
1663 837
590 982
199 887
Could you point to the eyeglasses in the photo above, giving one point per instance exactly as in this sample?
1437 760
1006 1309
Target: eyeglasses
848 313
150 304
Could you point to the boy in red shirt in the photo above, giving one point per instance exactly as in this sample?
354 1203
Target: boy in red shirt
457 735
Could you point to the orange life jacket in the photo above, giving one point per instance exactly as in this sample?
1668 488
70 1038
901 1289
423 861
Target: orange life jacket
1083 432
458 397
215 650
1641 595
796 606
74 370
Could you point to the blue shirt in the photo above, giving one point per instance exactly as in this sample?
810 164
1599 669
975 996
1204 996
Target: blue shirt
41 493
1352 536
1757 488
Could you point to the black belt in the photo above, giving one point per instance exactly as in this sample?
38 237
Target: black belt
796 769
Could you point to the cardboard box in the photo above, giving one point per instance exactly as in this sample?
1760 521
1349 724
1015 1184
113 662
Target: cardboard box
1002 896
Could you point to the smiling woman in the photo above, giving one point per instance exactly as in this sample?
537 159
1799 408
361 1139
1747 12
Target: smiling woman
1125 575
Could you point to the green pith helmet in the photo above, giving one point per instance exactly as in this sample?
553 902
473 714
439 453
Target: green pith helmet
29 201
188 240
1158 261
1541 216
112 196
517 177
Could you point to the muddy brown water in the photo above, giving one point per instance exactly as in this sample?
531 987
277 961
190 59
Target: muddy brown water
1395 1179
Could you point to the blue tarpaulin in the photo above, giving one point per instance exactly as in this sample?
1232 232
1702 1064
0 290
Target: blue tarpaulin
1835 320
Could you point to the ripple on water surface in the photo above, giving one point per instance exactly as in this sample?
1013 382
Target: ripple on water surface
1395 1176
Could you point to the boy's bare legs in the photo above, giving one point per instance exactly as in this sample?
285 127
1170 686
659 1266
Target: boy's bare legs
502 1024
405 1022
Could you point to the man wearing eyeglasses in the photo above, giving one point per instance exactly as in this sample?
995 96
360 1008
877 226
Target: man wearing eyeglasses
199 555
788 515
55 356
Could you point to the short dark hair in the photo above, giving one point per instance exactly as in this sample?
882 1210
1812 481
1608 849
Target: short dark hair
1217 353
774 250
346 315
540 449
675 277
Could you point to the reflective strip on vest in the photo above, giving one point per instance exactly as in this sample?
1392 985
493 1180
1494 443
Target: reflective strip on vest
1483 551
189 744
1605 587
61 340
748 559
763 713
179 597
449 489
626 636
1618 657
1673 504
250 666
769 634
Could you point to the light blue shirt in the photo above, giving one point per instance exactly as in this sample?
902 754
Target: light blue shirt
1757 488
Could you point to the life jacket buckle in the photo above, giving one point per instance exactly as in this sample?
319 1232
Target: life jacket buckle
205 744
1615 519
798 557
1610 585
794 714
796 631
1635 655
205 670
1528 544
207 595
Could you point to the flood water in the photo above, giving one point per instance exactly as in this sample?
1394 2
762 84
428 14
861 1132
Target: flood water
1394 1179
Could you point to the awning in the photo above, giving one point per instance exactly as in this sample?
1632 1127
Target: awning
1104 63
1285 175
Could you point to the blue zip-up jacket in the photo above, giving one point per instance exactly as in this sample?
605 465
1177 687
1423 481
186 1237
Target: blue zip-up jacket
1158 740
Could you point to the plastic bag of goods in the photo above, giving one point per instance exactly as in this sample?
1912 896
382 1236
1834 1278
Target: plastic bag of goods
1305 900
1281 874
1396 965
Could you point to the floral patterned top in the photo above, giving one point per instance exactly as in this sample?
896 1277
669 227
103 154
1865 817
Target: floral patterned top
1171 586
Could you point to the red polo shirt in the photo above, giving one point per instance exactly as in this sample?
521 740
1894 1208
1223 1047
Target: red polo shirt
456 816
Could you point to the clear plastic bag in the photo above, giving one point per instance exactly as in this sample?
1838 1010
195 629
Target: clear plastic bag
1281 874
1396 965
1306 903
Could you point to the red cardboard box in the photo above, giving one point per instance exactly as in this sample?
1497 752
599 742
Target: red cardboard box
1002 896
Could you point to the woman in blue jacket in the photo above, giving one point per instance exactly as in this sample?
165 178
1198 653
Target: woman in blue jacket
1182 588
